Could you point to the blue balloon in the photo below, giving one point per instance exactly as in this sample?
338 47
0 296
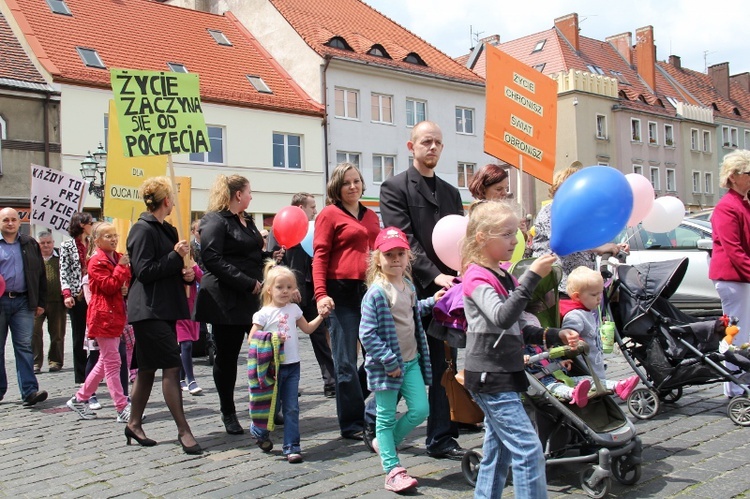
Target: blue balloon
307 242
590 208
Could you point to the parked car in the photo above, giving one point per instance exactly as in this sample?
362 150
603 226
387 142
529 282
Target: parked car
704 215
691 239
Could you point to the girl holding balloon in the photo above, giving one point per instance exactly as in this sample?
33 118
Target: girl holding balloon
232 252
345 232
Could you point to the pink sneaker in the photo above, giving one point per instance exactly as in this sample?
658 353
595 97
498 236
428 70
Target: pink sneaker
398 480
625 387
580 396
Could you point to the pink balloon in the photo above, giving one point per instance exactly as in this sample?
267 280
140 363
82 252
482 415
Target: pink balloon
665 215
290 226
447 237
643 197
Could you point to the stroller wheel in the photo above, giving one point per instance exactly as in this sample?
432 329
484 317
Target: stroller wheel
643 403
738 411
671 396
597 489
624 471
470 466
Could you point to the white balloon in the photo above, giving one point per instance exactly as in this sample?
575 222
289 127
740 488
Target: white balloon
666 214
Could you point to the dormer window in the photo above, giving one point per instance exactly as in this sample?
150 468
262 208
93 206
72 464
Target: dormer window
736 111
539 67
539 45
595 69
378 51
219 37
338 42
59 7
413 58
714 106
90 58
259 85
177 67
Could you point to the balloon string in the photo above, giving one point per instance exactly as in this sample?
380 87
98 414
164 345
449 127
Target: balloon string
629 238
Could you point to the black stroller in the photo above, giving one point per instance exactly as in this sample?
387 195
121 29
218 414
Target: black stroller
667 348
599 434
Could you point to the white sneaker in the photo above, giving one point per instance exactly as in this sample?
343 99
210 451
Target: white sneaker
124 415
184 385
80 408
193 388
94 404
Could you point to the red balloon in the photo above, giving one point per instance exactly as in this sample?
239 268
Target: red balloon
290 226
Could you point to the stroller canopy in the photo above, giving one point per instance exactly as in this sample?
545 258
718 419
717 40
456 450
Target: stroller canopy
641 285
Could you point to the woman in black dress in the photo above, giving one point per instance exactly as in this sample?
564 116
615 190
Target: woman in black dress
156 301
232 252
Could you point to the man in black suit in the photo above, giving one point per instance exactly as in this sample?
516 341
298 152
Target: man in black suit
414 201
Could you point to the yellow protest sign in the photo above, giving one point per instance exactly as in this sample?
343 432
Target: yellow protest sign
181 220
521 123
159 112
125 175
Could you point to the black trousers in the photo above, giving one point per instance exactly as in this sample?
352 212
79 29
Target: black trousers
78 327
321 347
228 340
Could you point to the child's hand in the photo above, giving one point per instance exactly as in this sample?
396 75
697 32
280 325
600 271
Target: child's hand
394 374
526 359
439 294
569 337
543 265
567 364
282 337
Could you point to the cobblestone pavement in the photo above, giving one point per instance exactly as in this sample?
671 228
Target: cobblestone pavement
691 450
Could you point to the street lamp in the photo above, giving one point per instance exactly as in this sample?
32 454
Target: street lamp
93 169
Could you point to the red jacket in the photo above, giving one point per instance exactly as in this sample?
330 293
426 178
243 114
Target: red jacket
341 245
106 315
730 258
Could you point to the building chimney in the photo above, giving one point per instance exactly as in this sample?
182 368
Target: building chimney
719 74
744 80
493 40
568 27
645 53
623 43
675 61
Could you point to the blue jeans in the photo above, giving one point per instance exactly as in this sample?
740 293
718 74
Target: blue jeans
389 432
509 439
350 396
288 380
15 314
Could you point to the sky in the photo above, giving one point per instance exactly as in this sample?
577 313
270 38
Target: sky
690 29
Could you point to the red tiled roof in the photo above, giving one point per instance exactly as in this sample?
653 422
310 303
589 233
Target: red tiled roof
701 86
14 63
362 27
140 34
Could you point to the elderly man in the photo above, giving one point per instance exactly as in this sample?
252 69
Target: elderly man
22 267
414 201
54 312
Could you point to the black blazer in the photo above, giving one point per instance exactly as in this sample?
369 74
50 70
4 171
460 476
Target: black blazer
407 203
233 257
157 290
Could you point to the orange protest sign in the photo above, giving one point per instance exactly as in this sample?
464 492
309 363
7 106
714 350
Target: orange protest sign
521 120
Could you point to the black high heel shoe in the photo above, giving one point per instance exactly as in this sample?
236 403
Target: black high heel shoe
145 442
193 449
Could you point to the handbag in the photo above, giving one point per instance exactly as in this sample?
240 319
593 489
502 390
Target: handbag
463 407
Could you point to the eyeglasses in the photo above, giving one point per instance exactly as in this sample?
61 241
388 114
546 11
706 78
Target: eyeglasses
744 173
110 236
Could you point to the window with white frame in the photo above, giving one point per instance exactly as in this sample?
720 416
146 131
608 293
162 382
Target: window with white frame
655 181
747 139
708 183
601 126
382 108
416 111
694 145
653 137
734 137
3 136
706 141
668 135
635 130
348 157
464 120
383 167
287 151
216 154
725 136
671 180
696 182
729 136
347 103
638 169
602 163
465 173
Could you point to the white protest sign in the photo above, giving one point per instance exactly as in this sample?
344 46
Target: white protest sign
55 196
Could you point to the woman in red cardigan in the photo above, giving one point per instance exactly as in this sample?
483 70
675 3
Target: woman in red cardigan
108 271
730 260
345 232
